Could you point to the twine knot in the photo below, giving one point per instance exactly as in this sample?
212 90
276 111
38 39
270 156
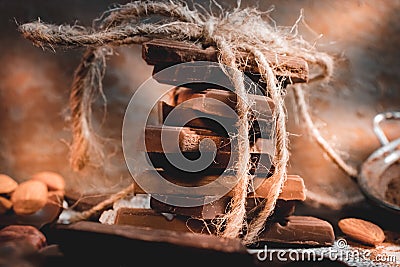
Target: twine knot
209 27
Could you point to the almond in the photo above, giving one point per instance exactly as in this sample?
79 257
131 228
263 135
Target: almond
362 231
5 205
7 184
29 197
54 181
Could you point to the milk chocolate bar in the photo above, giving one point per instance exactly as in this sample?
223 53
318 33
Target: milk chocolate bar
299 230
214 101
183 139
293 188
216 208
156 220
168 52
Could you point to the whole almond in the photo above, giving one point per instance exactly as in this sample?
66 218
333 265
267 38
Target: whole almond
5 205
7 184
29 197
362 231
54 181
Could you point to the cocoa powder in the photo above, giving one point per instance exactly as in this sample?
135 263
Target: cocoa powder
392 193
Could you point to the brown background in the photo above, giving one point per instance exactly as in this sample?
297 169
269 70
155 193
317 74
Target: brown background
34 87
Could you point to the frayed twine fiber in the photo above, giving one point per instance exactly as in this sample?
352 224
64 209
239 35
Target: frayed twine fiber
232 32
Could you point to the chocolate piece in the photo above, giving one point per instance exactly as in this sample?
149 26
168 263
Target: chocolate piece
196 76
170 52
293 188
208 211
153 219
195 119
200 100
217 207
183 139
82 202
220 163
299 230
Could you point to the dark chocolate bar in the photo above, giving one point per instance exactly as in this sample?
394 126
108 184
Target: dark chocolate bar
207 211
170 52
183 139
293 188
204 101
219 163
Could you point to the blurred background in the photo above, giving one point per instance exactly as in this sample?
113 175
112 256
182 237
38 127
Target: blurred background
363 36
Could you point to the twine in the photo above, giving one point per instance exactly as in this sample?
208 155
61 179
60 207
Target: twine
313 131
235 218
85 87
84 215
233 32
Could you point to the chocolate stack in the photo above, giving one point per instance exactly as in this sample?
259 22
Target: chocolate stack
202 127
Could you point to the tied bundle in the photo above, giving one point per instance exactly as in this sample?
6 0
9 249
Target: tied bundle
234 33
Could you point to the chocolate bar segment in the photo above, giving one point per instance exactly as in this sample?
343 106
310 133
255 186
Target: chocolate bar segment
217 208
183 139
214 101
293 188
156 220
171 52
221 161
195 119
299 230
207 211
144 240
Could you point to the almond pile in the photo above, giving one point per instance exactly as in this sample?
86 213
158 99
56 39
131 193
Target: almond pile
32 195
